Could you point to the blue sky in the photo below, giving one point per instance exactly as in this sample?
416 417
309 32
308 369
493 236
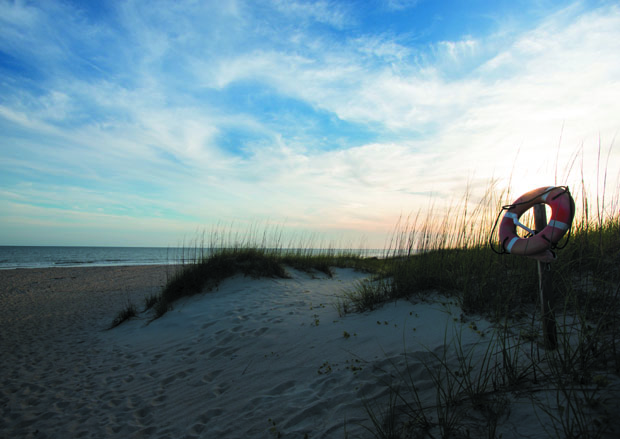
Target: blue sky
139 123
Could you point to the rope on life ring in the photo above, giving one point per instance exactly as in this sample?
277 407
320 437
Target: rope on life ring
537 244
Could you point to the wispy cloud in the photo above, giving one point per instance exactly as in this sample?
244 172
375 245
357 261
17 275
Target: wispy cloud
332 13
401 4
290 110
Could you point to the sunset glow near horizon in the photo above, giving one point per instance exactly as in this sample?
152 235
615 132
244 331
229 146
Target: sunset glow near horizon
138 123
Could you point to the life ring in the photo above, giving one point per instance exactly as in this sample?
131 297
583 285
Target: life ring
539 245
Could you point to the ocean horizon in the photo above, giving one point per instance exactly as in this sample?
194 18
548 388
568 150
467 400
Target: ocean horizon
84 256
12 257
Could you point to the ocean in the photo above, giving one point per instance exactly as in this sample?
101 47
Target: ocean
45 257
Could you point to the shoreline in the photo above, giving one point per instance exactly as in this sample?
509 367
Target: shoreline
55 267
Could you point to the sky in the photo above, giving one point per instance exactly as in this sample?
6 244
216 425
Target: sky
140 123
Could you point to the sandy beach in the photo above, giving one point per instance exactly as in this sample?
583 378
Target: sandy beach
255 358
55 357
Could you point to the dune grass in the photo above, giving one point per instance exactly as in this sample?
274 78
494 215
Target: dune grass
208 270
129 312
451 255
205 262
568 386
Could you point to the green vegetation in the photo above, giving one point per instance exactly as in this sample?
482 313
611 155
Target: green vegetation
207 272
568 385
128 313
452 256
203 267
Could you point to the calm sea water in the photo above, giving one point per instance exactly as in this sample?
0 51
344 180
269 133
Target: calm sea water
43 257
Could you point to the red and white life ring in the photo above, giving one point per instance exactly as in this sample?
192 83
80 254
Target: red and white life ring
538 246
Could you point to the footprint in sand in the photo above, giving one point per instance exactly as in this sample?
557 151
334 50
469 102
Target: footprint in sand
143 414
158 400
219 390
131 402
153 374
179 375
223 351
207 325
261 331
197 429
281 388
210 376
209 415
146 432
113 403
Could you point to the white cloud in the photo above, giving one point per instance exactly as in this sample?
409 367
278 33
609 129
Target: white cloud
384 47
481 126
327 12
398 5
151 125
458 51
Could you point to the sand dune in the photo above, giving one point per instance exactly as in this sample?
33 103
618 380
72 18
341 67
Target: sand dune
256 358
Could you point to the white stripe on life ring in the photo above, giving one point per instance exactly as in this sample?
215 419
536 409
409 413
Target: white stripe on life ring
511 243
514 216
558 225
547 192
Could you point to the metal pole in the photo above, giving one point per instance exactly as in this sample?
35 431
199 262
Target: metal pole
545 284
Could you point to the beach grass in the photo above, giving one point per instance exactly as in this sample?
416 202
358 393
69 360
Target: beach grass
452 257
206 261
130 311
451 254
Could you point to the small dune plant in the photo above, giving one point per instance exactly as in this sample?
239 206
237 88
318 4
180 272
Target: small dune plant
130 311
